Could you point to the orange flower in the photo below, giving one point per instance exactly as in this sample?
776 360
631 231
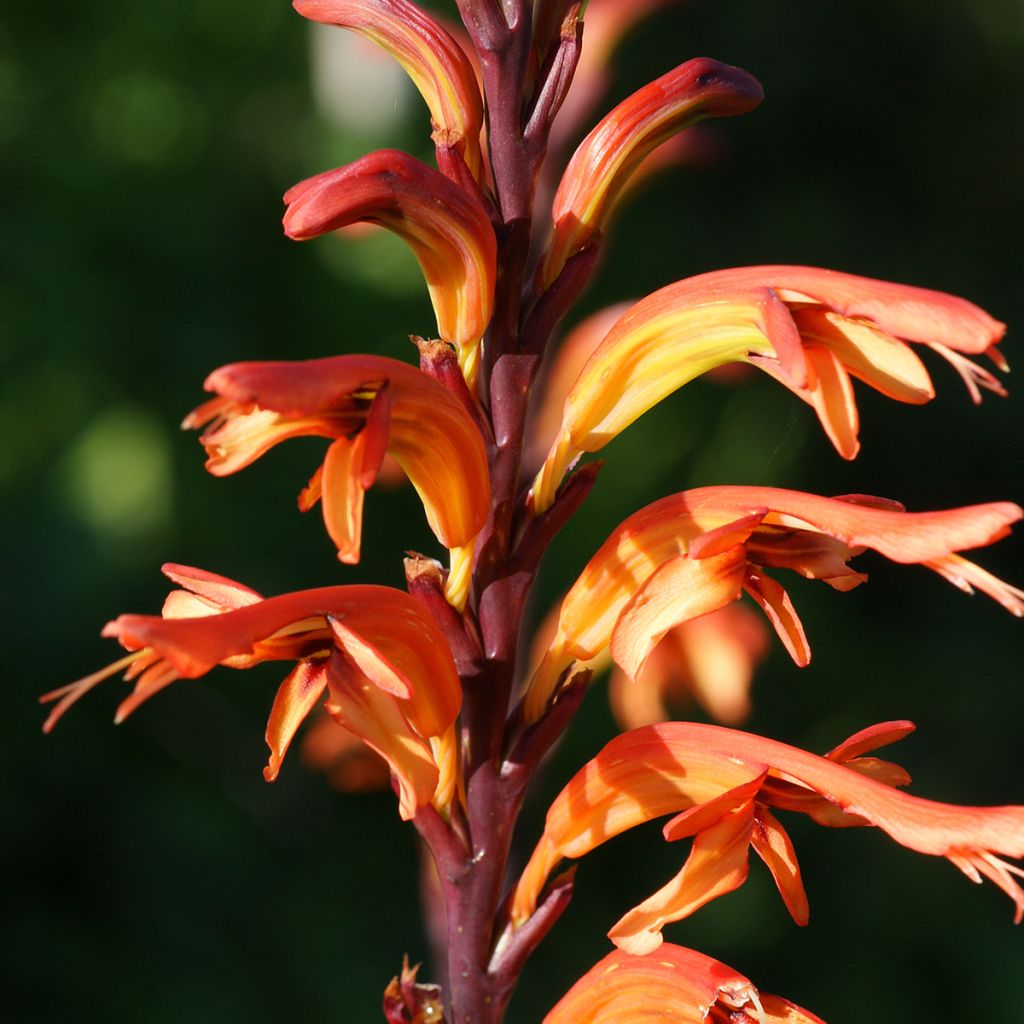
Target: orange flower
710 659
365 405
446 228
695 551
676 984
604 161
721 783
386 667
437 65
810 328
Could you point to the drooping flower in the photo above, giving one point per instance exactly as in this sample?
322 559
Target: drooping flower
695 551
720 784
674 984
378 656
438 66
604 161
447 229
811 329
366 406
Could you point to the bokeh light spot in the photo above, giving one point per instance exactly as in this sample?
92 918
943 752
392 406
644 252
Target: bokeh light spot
119 479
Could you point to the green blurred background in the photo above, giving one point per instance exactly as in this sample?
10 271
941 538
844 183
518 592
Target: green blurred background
151 873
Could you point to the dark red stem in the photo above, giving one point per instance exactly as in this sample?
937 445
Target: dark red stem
485 953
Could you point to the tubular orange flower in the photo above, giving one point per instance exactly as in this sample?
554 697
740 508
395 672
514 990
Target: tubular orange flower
676 984
720 784
695 551
366 405
388 670
812 329
437 65
607 157
446 228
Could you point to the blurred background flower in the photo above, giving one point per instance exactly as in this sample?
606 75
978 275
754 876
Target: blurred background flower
151 873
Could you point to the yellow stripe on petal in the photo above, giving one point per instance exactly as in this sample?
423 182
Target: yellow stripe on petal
657 346
604 161
437 65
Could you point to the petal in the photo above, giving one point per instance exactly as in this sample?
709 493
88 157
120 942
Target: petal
871 738
296 698
374 716
343 496
772 844
219 589
447 229
437 65
657 346
718 864
877 358
775 603
682 588
830 392
579 345
604 161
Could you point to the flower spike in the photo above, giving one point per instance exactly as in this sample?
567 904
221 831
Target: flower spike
446 228
388 671
673 984
606 158
365 405
437 65
811 329
696 551
720 783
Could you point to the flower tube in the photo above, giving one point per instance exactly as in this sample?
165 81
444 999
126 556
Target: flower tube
812 329
696 551
720 784
446 228
366 406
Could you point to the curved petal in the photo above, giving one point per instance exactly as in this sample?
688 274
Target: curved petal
437 65
660 344
375 717
607 157
446 228
682 588
718 864
295 699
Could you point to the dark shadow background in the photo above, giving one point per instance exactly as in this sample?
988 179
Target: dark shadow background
151 874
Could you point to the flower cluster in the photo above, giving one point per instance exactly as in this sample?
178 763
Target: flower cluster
426 685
